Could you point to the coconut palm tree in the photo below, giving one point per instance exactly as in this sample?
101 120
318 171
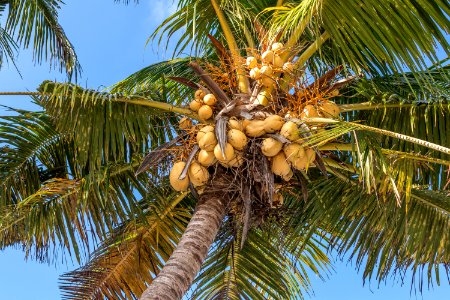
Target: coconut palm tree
36 22
354 97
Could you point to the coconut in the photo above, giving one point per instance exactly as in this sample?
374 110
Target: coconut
198 174
310 156
263 97
208 141
251 62
267 70
255 73
205 112
237 139
206 158
280 166
278 62
210 99
267 81
178 184
333 93
234 123
288 176
270 147
273 123
245 123
255 128
229 153
236 162
309 111
267 57
294 152
201 133
277 47
185 123
288 67
199 94
290 131
329 109
195 104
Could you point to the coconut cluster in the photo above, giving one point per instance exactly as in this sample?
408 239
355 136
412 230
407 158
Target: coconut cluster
275 130
203 104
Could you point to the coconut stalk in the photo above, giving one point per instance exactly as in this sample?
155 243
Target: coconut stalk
243 83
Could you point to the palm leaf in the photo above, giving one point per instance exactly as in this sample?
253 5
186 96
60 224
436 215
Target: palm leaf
36 21
133 254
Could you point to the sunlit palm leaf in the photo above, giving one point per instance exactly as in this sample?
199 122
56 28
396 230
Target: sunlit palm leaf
133 254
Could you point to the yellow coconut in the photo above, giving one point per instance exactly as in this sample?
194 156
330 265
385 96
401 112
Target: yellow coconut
255 73
263 97
288 67
267 81
277 47
267 71
245 123
278 62
310 156
201 133
237 139
205 112
195 104
309 111
229 153
198 174
280 165
175 172
333 93
267 57
199 94
234 123
273 123
294 152
251 62
255 128
208 141
210 99
236 162
206 158
288 176
185 123
290 131
329 109
270 147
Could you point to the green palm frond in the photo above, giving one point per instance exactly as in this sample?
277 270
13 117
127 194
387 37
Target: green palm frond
36 21
72 213
134 253
383 238
32 152
108 127
233 273
376 36
8 47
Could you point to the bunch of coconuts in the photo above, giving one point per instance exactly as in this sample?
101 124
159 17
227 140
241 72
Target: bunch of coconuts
283 147
280 137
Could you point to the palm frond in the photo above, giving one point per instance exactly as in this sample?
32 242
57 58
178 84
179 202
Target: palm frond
377 36
233 273
133 254
8 47
383 238
103 126
36 21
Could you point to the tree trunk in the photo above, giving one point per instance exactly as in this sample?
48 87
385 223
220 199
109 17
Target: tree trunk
183 265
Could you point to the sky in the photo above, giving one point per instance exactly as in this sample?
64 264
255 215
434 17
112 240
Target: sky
110 40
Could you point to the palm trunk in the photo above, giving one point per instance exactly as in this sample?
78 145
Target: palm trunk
183 265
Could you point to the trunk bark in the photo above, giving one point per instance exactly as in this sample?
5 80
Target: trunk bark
183 265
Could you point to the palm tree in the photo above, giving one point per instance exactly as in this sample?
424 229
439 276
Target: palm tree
373 187
36 22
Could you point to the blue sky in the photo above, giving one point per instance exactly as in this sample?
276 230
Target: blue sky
110 42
